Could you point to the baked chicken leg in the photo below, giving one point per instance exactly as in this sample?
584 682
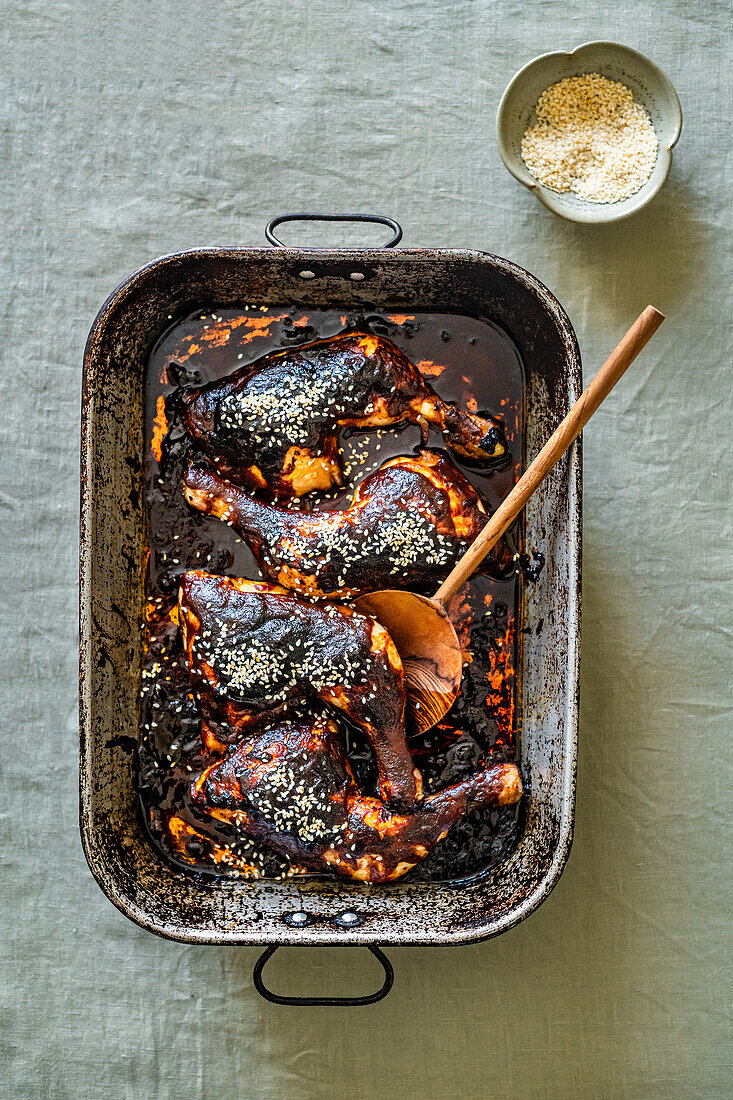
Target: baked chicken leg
274 424
407 525
252 649
290 787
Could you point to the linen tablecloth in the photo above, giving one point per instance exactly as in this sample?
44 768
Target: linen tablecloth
135 129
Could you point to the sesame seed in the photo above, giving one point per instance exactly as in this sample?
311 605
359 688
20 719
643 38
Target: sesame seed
399 542
592 138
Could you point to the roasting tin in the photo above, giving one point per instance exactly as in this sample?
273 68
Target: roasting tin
201 909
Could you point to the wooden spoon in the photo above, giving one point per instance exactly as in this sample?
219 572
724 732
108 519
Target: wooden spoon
419 626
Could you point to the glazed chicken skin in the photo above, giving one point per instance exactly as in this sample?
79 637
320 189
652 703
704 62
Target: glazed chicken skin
274 424
252 650
291 788
407 525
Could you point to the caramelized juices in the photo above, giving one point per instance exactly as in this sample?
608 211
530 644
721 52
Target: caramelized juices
467 361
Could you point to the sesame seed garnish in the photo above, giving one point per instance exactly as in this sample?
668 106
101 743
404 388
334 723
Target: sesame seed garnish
271 669
591 138
399 542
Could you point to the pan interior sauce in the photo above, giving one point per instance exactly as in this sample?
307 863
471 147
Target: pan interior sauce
466 360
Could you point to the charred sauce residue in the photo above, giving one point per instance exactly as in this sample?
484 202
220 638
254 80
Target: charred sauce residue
467 361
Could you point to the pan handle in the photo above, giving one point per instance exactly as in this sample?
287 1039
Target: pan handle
393 225
339 1002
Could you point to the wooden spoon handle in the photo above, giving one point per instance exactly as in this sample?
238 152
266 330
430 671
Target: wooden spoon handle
618 361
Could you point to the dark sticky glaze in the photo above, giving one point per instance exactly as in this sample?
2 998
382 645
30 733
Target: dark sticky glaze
292 789
406 526
274 424
251 649
470 362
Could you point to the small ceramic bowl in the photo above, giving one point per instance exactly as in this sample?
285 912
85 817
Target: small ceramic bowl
651 88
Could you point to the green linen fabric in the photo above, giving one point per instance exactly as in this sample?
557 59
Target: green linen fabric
135 129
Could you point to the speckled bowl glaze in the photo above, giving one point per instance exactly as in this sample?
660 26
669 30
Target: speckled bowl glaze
651 88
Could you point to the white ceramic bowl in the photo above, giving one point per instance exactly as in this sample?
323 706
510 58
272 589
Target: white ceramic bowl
651 88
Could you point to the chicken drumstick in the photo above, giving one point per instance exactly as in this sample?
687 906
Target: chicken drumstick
291 787
407 525
274 423
252 648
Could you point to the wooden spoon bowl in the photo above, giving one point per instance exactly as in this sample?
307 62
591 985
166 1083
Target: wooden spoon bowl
428 645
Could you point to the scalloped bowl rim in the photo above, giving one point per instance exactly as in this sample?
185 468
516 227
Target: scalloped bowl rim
613 211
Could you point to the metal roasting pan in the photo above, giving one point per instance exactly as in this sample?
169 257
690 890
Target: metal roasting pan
200 909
